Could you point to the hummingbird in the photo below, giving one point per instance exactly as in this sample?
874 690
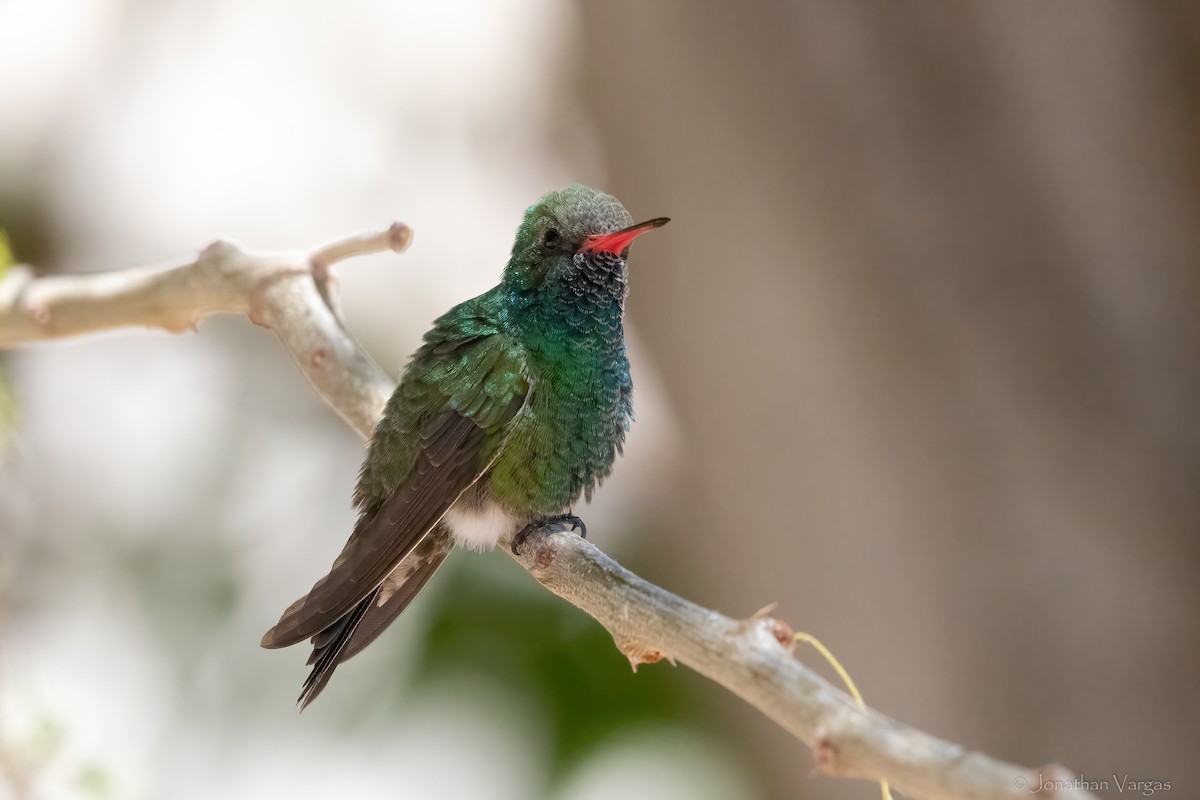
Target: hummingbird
515 405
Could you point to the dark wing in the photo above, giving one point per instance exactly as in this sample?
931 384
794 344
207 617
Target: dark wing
349 635
443 427
450 459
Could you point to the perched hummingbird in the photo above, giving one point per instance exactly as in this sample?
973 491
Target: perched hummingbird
516 404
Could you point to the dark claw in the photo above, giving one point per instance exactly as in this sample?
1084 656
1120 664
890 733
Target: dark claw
554 523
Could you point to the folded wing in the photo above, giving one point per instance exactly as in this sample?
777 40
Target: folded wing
443 427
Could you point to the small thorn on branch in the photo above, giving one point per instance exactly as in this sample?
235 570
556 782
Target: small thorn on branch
39 313
783 633
779 630
544 556
218 249
179 323
638 653
765 611
825 754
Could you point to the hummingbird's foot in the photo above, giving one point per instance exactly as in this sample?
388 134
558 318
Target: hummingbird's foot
554 523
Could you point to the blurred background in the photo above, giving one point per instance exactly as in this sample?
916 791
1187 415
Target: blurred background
918 358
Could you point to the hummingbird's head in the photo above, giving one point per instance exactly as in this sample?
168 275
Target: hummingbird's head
575 238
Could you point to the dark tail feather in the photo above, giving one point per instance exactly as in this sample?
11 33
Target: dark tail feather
325 658
352 633
380 617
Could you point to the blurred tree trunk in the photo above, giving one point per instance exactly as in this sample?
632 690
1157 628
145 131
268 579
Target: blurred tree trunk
935 270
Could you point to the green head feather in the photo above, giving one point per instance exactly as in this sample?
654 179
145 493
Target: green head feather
554 228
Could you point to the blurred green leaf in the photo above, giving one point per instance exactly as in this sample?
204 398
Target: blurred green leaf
47 739
6 254
554 654
184 585
8 408
94 781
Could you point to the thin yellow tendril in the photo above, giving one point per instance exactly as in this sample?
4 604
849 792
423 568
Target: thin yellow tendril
808 638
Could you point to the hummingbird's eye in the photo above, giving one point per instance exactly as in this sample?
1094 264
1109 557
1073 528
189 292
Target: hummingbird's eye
551 239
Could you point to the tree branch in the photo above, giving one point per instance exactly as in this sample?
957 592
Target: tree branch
290 293
293 295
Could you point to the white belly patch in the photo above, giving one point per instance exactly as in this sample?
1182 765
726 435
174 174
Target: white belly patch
479 530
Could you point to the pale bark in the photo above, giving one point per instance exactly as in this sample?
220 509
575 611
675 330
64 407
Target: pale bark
293 295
